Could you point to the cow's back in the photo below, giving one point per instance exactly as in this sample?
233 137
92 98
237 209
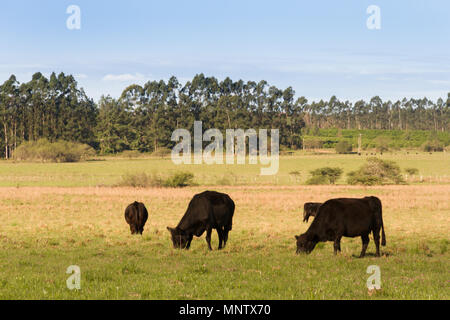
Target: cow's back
130 214
351 217
137 214
223 210
142 214
208 208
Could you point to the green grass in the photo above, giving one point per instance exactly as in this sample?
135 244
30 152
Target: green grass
150 269
108 171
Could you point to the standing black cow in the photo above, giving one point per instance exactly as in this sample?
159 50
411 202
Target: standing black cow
206 211
136 216
339 218
310 209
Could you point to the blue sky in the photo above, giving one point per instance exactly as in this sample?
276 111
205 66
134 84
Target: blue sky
320 48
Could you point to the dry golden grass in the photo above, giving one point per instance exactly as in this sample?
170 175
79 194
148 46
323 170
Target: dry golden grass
408 210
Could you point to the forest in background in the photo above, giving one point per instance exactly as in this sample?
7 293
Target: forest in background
144 117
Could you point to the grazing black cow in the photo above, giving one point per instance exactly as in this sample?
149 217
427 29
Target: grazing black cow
136 216
339 218
206 211
310 210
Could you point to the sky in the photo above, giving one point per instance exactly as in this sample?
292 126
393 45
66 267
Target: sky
319 48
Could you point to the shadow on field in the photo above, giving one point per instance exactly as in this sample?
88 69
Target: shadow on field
372 255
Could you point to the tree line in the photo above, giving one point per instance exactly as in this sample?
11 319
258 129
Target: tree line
144 117
54 108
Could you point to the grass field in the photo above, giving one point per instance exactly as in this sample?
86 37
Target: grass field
44 230
433 168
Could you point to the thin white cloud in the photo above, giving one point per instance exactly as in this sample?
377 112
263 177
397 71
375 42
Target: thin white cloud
124 77
440 82
358 65
385 78
23 66
81 76
419 94
363 68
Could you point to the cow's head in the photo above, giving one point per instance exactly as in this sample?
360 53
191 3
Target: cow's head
305 244
179 238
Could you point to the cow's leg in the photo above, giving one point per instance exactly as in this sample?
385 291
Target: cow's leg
365 243
189 242
208 237
220 234
376 238
337 245
225 236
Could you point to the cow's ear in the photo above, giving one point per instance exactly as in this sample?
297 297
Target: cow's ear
170 229
296 237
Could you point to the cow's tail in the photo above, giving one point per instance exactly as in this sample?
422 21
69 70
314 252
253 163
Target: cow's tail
383 236
232 207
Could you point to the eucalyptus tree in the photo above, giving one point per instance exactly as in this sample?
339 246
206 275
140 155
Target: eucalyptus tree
8 113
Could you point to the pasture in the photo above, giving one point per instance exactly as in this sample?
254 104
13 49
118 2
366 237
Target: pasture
44 230
294 170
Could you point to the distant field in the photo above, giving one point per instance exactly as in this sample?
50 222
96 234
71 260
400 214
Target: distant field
434 169
45 230
396 139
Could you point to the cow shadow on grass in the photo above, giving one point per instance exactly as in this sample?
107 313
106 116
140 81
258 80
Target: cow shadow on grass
372 255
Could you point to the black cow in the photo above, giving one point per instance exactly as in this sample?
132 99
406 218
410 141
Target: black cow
310 210
206 211
136 216
339 218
